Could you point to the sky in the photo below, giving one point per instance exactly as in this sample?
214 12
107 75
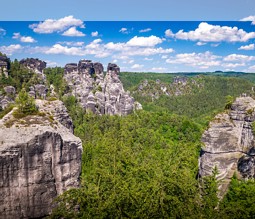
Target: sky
138 35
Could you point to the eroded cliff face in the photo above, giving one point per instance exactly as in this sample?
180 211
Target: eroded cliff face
96 92
40 158
229 143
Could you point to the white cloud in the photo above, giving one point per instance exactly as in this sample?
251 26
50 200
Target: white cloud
249 18
137 66
251 69
239 58
11 49
2 31
94 34
164 56
200 60
24 39
72 31
200 44
215 33
232 65
247 47
145 30
169 33
148 59
52 25
51 63
144 41
115 61
124 30
71 43
59 49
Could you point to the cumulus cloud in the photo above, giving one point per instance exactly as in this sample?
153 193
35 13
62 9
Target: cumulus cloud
247 47
238 58
137 66
24 39
124 30
200 44
2 31
72 31
200 60
249 18
53 25
71 43
150 41
214 33
145 30
169 33
94 34
251 69
148 59
11 49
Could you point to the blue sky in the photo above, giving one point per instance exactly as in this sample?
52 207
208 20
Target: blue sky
158 46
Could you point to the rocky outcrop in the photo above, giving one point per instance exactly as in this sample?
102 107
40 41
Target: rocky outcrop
40 158
7 96
179 86
37 91
229 143
4 65
34 64
99 93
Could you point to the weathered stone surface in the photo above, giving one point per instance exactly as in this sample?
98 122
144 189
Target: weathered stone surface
96 92
34 64
38 91
4 65
229 143
39 159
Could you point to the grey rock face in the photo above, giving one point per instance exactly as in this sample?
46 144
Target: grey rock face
96 92
229 143
39 159
38 91
34 64
8 96
4 65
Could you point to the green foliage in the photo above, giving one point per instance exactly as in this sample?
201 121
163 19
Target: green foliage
199 104
5 111
143 165
55 77
209 190
26 105
239 202
229 102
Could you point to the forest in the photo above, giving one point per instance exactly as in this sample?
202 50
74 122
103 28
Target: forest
145 165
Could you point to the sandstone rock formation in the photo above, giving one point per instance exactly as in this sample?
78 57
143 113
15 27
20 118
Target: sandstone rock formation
99 93
229 143
40 158
37 91
4 65
179 86
7 97
34 64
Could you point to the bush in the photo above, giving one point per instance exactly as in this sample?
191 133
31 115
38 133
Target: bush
26 105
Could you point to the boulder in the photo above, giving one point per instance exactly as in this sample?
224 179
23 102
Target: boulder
229 144
40 158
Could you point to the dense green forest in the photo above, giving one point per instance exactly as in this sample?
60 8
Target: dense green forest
145 165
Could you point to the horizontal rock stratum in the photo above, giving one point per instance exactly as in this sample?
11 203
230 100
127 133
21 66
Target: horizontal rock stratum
229 144
40 158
